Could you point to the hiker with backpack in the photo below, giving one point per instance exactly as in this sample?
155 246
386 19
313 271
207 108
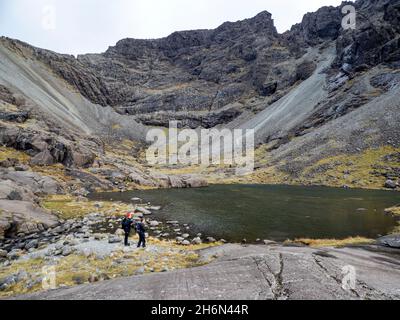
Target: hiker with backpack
141 231
127 223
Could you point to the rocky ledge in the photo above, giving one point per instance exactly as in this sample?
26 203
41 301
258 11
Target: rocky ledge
257 273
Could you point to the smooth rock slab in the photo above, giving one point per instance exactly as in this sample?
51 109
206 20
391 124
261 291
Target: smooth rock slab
255 273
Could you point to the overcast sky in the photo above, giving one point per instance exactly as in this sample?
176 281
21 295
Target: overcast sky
83 26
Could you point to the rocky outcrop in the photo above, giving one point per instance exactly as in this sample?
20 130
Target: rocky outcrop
323 25
10 190
375 39
392 241
47 149
18 217
180 181
34 182
19 117
193 121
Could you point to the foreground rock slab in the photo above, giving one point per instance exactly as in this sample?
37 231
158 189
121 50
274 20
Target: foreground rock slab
257 273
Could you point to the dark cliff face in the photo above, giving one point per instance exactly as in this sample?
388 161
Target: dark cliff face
194 74
375 40
201 70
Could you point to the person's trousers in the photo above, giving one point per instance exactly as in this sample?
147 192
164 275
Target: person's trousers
126 242
142 240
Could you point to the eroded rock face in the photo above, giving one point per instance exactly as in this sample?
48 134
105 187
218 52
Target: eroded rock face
375 40
320 26
23 217
34 182
43 158
47 149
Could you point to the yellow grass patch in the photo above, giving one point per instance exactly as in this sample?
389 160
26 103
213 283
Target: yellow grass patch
320 243
68 207
394 211
10 153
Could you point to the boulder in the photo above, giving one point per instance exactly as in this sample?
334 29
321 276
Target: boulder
43 158
211 240
33 244
19 117
141 180
155 208
390 184
193 181
268 242
21 167
143 211
154 223
8 163
3 253
7 282
9 190
14 254
67 251
79 156
34 182
5 223
392 241
24 217
197 241
267 89
120 233
187 181
176 182
114 239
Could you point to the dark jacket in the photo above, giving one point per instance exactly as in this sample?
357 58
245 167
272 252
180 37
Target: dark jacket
140 228
127 224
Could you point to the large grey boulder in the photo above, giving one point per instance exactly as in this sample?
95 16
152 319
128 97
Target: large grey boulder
43 158
35 182
392 241
390 184
186 181
9 190
24 217
193 181
79 156
176 182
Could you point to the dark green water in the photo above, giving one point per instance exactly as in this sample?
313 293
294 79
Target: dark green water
272 212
